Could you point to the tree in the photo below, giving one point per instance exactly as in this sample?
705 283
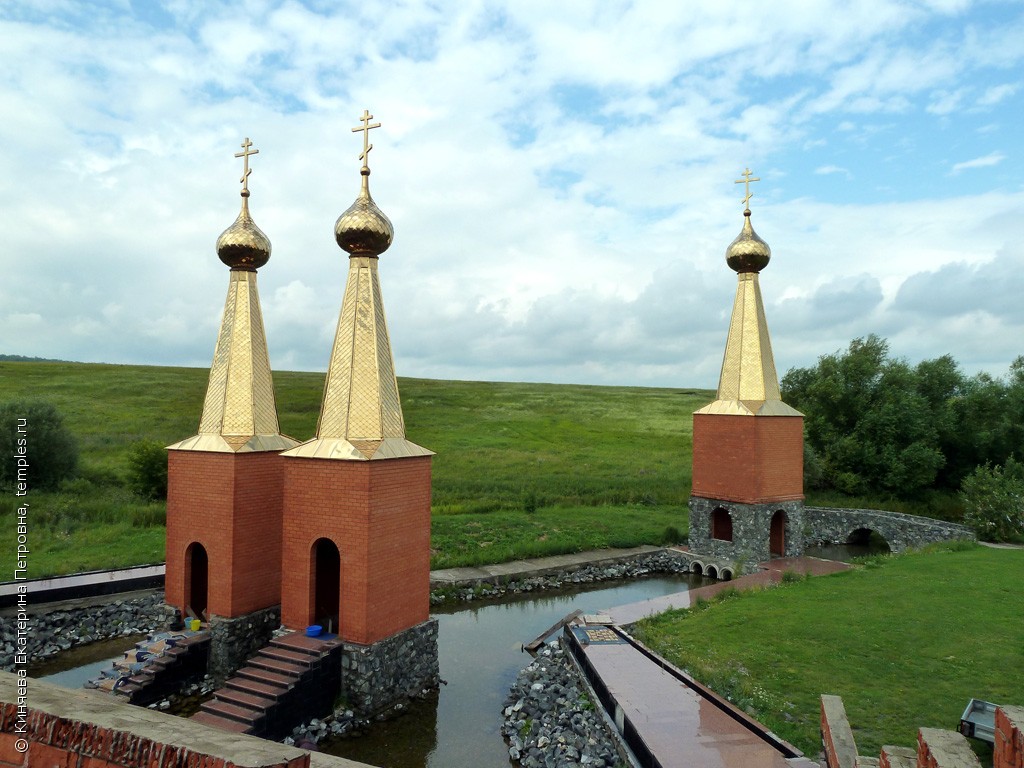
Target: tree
869 421
35 440
993 498
147 469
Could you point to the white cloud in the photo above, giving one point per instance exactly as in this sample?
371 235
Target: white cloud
998 93
559 176
986 161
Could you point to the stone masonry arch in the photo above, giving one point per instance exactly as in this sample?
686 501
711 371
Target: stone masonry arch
828 525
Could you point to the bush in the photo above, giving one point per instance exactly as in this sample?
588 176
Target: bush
993 498
50 449
671 535
147 470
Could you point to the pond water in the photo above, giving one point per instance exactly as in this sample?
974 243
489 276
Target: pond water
72 669
480 656
479 647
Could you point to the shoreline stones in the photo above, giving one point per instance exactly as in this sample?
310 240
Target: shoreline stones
550 720
643 565
61 630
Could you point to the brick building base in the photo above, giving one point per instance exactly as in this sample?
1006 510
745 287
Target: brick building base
376 677
377 516
749 529
230 505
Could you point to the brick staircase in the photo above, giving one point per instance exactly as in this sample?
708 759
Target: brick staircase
292 680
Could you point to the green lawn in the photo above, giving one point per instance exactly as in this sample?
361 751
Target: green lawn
906 643
541 468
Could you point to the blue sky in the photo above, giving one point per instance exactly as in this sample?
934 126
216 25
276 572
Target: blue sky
560 177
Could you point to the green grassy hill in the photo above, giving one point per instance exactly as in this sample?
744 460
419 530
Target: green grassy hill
520 469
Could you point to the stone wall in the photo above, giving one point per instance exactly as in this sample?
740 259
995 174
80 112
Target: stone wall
827 525
751 524
57 630
234 641
86 729
374 678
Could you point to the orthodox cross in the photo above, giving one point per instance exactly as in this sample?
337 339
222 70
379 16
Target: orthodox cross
366 128
745 181
246 170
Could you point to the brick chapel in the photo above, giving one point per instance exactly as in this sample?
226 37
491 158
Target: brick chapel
746 503
334 530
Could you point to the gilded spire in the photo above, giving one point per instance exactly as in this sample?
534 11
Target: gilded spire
239 413
361 414
749 383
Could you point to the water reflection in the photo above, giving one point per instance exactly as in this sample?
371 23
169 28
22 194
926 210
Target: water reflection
480 655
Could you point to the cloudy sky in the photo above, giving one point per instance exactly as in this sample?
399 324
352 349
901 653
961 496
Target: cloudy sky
559 175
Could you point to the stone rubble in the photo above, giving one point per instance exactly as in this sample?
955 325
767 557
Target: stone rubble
644 565
550 720
57 631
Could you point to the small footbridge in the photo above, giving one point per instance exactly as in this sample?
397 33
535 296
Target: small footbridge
830 525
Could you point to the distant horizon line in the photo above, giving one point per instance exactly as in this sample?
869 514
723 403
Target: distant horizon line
29 359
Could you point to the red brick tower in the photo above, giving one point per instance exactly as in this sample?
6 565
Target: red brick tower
747 498
224 485
357 496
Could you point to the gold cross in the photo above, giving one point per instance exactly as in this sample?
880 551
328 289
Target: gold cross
245 153
366 128
746 182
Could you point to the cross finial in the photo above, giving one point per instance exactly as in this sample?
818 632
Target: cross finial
745 181
366 128
246 170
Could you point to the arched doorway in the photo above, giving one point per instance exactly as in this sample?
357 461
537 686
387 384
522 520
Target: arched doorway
197 579
721 525
326 584
777 535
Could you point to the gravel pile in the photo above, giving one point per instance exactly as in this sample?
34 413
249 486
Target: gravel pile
550 720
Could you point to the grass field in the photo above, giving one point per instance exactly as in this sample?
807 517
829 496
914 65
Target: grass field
521 469
906 641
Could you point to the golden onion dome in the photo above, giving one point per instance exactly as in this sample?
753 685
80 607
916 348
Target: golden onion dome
243 245
363 229
748 252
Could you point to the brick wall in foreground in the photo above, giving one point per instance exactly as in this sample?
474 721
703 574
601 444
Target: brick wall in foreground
88 729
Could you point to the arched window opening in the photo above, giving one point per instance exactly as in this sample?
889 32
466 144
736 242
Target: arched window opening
721 525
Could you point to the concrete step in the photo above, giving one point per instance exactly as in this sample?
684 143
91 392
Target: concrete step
259 704
223 723
244 715
298 658
938 748
267 677
255 688
298 642
277 666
